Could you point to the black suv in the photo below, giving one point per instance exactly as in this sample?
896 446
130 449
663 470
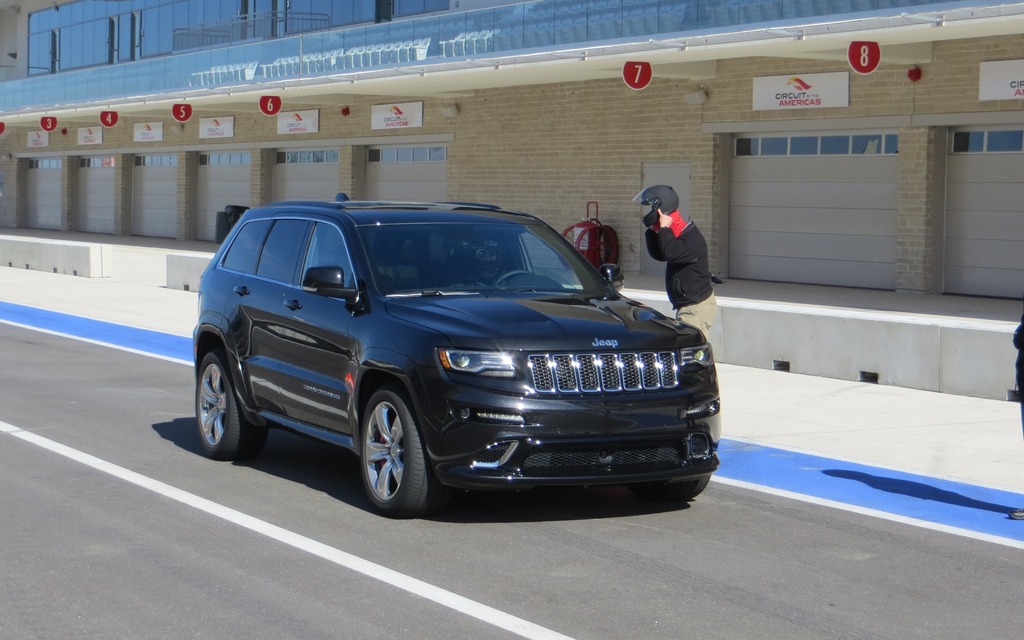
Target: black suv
449 345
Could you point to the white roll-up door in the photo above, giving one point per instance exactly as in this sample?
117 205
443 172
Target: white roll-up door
42 200
95 203
224 178
306 174
816 208
155 196
409 172
984 251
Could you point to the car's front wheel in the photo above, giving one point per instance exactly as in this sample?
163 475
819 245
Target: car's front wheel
223 431
396 473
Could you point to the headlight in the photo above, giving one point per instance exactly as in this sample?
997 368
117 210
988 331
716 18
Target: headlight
484 363
696 356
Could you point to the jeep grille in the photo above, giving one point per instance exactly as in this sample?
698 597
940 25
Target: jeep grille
604 372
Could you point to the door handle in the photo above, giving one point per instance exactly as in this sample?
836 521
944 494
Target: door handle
294 305
241 290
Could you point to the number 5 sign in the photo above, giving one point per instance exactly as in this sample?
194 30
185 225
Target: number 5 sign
181 112
637 74
864 56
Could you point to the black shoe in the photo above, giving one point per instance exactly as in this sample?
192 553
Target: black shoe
1017 514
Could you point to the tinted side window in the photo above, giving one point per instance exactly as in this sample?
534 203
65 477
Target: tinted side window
279 259
328 249
245 249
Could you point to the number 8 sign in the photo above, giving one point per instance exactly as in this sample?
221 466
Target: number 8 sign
864 56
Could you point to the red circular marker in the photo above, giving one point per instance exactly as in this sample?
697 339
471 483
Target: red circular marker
864 56
181 112
637 74
48 123
108 118
270 105
3 127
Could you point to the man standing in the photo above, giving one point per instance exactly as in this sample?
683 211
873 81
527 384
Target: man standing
1018 341
681 246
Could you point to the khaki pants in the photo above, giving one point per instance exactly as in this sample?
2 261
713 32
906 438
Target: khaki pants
701 315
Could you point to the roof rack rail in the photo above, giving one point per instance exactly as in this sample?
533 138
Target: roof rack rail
475 205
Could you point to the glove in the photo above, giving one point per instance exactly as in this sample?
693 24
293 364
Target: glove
650 218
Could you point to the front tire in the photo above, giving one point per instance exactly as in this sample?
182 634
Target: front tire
223 431
396 473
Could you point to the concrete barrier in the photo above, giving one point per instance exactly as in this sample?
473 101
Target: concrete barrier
932 353
86 259
184 270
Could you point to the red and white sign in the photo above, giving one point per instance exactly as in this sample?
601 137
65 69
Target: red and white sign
299 122
38 139
182 112
90 135
637 74
48 123
217 127
108 118
270 105
1001 80
148 132
799 92
403 115
864 56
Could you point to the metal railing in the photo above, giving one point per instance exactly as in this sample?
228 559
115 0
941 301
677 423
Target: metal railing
258 26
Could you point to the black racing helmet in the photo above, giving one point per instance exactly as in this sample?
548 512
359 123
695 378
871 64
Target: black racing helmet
659 196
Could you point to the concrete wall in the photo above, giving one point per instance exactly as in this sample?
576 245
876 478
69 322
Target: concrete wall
86 259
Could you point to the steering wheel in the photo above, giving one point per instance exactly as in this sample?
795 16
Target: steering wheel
508 276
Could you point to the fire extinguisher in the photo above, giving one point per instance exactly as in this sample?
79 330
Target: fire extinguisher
595 241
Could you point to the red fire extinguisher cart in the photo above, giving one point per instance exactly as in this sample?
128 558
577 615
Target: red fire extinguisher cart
595 241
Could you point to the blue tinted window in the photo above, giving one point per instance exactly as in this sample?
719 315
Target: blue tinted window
968 141
803 146
774 146
892 143
867 144
1005 140
835 145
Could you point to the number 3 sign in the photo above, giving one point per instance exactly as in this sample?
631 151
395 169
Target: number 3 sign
864 56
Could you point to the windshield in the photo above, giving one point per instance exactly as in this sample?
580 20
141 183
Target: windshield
475 257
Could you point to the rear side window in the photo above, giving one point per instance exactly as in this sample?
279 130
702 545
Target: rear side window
245 249
279 259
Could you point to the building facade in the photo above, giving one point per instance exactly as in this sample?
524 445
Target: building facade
803 158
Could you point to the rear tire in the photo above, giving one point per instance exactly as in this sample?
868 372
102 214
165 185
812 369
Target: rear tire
397 475
223 431
670 491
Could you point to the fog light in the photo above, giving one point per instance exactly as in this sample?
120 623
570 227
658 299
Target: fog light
699 445
704 409
512 418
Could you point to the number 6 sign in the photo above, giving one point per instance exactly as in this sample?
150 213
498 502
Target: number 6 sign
637 74
864 56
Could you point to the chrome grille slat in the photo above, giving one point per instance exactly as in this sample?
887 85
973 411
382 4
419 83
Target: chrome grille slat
603 372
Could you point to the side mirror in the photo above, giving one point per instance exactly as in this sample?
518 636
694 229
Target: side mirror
328 281
612 273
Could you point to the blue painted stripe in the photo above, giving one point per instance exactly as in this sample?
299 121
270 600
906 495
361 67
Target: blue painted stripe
944 502
155 342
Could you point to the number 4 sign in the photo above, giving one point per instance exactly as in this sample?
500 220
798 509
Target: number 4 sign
864 56
108 118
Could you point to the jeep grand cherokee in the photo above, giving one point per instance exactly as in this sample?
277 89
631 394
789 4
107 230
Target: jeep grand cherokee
448 345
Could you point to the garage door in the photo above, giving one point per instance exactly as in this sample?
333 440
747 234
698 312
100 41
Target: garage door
224 179
407 173
42 200
306 174
155 196
984 218
815 208
95 203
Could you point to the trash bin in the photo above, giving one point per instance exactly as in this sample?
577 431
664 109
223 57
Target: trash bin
227 219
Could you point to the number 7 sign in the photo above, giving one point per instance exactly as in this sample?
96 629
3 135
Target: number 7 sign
637 74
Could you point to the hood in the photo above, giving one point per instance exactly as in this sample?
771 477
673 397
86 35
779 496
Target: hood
543 323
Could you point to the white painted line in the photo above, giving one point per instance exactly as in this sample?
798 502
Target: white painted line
372 570
97 342
874 513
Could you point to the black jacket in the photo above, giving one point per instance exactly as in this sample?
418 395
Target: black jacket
687 272
1018 341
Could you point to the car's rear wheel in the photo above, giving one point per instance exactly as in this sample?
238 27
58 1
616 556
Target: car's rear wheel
396 473
223 431
670 491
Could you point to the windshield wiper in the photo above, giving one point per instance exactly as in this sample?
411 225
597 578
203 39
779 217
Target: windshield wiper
431 292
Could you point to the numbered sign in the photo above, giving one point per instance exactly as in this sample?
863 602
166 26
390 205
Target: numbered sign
637 74
270 105
48 123
108 118
864 56
181 112
3 127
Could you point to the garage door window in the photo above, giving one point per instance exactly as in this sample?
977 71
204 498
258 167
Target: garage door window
225 159
387 155
812 145
163 160
310 156
44 163
97 162
995 141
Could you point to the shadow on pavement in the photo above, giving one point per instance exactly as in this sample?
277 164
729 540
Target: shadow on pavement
918 490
